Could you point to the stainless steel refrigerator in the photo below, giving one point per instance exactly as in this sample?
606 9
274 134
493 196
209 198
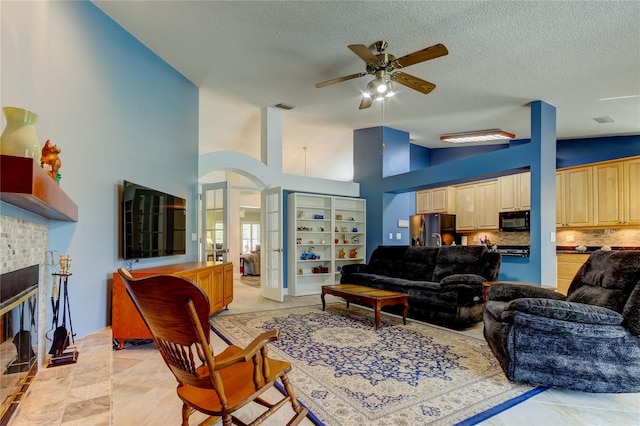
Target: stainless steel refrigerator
425 228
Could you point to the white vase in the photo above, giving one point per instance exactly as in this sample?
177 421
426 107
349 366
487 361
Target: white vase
19 136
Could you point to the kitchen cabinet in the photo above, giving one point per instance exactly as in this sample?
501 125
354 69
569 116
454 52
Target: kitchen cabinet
515 192
604 194
607 194
567 266
215 279
477 206
616 193
325 233
436 200
574 199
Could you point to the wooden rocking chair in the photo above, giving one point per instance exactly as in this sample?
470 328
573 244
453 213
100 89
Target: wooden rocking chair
177 313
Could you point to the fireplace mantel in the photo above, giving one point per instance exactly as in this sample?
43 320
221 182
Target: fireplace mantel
25 184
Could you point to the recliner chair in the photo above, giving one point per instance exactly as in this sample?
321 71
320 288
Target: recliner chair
587 341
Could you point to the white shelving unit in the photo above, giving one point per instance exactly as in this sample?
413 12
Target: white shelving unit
320 227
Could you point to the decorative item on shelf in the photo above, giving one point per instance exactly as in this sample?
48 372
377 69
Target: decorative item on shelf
336 241
305 228
309 255
301 214
354 230
322 229
50 161
318 216
355 240
343 229
344 239
19 135
300 271
351 219
353 253
341 254
338 217
337 229
339 269
320 269
298 240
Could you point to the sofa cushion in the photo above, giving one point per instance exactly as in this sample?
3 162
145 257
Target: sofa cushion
598 296
458 260
631 311
508 291
413 263
461 279
564 311
610 269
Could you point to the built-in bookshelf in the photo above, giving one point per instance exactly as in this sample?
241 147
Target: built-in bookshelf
325 233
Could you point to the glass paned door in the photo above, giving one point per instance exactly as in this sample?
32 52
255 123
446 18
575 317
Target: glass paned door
215 233
272 284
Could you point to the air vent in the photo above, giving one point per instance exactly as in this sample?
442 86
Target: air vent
284 106
603 120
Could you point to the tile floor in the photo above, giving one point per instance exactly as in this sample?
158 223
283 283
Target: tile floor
134 387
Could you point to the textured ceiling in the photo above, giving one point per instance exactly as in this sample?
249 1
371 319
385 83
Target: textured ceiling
502 55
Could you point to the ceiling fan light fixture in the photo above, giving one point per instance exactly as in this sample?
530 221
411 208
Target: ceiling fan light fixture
478 136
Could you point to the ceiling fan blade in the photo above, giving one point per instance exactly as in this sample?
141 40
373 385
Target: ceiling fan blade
413 82
365 103
340 79
425 54
364 53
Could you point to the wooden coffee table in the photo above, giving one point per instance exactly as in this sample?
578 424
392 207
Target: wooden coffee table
368 296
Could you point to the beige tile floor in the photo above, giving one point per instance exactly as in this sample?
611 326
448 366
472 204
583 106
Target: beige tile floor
134 387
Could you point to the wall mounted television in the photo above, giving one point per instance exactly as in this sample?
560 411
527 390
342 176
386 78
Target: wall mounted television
153 223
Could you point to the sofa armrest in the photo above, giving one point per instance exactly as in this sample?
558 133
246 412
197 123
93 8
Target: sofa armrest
462 279
355 268
506 292
564 311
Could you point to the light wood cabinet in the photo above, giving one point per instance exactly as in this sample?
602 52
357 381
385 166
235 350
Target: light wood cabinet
514 192
574 202
477 206
631 192
568 265
436 200
605 194
215 279
616 193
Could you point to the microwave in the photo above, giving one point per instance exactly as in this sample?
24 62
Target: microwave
514 221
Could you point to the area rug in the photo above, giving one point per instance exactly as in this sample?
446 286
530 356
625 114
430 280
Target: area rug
251 280
347 373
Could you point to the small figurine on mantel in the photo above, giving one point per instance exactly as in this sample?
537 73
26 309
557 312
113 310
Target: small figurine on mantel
50 161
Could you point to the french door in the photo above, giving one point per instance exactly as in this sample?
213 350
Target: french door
215 206
272 284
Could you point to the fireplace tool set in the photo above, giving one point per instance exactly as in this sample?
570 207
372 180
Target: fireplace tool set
61 352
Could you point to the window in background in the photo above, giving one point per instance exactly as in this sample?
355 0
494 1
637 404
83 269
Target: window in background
250 237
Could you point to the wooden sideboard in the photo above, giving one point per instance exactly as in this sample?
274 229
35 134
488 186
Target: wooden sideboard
215 278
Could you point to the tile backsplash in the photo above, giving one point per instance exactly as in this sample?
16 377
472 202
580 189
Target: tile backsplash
627 237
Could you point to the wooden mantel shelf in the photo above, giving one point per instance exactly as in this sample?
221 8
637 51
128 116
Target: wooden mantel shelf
25 184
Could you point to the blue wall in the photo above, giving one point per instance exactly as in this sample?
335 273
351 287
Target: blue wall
118 112
440 167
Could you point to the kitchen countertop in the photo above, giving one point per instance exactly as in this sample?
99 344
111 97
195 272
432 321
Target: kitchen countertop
590 249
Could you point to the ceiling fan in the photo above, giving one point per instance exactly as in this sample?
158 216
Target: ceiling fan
383 65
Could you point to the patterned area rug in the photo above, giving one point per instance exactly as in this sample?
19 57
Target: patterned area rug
347 373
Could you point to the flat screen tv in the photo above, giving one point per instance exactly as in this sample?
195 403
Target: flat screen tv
153 223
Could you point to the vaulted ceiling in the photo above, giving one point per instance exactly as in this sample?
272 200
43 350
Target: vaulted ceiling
583 57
